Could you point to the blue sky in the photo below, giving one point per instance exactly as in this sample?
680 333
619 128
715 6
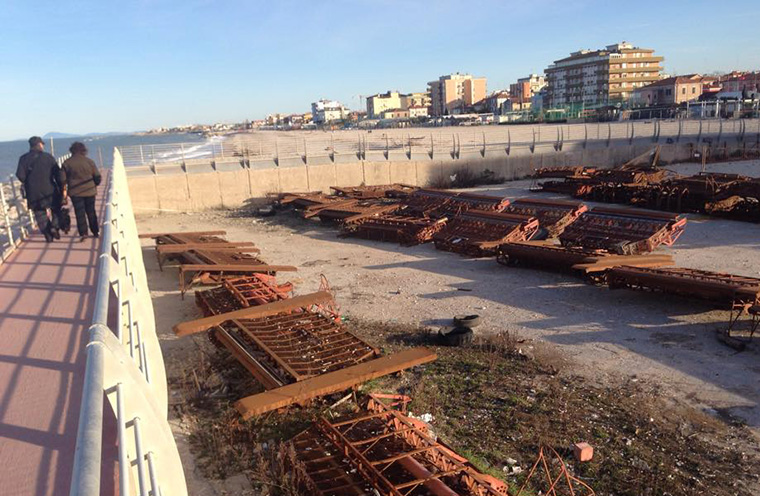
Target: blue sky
120 66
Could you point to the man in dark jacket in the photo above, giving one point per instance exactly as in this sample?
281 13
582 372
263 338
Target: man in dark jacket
82 179
43 185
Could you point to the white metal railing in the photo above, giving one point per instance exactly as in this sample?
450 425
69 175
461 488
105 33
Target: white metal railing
271 148
124 362
18 220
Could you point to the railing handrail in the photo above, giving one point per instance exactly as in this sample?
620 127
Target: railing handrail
119 350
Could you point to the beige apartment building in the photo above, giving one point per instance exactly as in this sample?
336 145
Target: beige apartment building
602 76
452 93
670 91
391 100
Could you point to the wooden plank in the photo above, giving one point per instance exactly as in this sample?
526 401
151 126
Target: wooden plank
332 382
200 325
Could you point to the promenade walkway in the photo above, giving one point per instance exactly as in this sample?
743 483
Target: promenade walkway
46 304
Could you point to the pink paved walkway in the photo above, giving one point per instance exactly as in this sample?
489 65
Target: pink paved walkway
46 299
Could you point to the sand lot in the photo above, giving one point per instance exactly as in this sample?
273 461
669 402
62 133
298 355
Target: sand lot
605 335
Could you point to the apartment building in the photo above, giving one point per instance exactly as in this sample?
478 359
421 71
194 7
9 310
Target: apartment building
670 91
391 100
526 88
451 94
418 111
377 104
606 76
326 111
495 100
741 82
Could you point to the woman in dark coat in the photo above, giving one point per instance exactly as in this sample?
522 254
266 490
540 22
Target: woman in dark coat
82 179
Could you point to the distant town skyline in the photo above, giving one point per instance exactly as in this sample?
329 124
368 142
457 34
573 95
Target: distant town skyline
85 67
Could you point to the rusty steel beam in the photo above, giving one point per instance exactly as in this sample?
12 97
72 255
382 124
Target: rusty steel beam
241 247
589 264
562 172
726 290
477 233
332 382
257 312
192 233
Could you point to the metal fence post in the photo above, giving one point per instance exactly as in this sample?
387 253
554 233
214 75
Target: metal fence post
6 217
19 208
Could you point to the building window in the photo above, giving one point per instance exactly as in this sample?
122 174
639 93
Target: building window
668 92
693 90
683 91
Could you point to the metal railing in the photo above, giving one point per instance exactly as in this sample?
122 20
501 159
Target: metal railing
277 148
18 220
124 362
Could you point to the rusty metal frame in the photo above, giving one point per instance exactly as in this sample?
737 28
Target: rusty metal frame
477 233
552 215
395 190
242 292
438 203
407 230
299 349
392 453
356 211
623 231
541 468
215 273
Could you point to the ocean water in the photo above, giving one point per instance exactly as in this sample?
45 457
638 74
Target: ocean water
10 151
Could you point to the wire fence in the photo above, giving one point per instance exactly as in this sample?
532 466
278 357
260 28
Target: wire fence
275 147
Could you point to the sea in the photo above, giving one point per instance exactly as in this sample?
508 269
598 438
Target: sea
98 146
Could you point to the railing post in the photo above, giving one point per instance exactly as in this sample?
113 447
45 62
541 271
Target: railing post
17 203
6 217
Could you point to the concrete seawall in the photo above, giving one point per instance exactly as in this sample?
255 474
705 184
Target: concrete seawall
232 183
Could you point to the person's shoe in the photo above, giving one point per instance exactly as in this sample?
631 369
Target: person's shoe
47 232
55 233
96 235
82 238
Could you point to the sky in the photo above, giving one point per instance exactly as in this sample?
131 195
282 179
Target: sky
81 66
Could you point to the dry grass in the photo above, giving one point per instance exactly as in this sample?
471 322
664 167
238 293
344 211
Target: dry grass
496 399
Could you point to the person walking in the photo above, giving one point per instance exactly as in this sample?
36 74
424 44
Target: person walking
43 184
82 179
